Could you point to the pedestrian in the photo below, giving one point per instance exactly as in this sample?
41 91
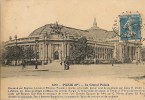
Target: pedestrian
112 62
64 65
23 64
67 65
36 64
61 63
49 60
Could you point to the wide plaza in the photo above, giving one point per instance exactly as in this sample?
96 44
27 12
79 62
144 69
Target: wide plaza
55 70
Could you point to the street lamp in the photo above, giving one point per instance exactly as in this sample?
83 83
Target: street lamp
36 51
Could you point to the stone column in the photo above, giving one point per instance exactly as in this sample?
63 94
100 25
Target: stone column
62 49
103 53
133 53
137 54
111 54
122 53
98 52
39 51
49 51
52 51
67 49
44 52
130 52
107 53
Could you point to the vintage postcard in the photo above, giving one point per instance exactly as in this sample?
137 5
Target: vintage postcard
72 50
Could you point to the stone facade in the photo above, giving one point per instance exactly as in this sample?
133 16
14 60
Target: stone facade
54 43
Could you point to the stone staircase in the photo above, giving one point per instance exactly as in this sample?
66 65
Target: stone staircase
55 66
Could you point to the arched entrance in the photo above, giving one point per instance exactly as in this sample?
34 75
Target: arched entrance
56 55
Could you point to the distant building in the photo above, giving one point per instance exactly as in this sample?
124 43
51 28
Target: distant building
54 43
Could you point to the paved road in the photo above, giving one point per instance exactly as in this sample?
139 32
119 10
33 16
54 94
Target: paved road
56 70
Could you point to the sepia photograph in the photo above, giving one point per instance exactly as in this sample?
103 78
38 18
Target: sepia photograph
76 49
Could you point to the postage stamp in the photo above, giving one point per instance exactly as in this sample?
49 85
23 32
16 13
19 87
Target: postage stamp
130 27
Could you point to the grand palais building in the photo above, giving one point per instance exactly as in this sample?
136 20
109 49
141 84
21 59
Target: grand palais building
53 43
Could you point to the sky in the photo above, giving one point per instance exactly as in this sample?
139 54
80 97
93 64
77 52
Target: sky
21 17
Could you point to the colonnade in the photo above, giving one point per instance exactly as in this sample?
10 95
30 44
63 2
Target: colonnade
104 53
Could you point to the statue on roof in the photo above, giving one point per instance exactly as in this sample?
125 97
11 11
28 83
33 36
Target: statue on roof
56 28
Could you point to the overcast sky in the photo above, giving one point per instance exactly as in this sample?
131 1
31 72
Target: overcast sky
21 17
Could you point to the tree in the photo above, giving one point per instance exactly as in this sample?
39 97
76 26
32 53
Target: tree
2 53
90 51
13 53
80 50
29 53
16 53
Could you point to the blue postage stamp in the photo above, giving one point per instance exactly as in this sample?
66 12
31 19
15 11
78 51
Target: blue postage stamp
130 27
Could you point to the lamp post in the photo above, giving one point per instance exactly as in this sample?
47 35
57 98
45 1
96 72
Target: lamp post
36 54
